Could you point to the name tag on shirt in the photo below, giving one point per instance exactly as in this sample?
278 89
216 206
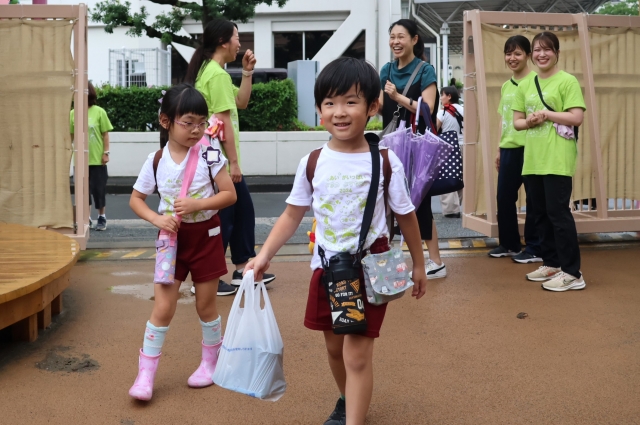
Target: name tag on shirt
215 231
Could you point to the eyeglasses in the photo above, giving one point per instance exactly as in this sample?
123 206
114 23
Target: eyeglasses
190 126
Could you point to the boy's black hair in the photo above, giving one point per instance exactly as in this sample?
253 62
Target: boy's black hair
453 92
180 100
340 75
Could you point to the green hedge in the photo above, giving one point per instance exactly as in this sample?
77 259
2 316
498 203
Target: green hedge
131 108
273 106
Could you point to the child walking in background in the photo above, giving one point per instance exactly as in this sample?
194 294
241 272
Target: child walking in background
509 161
183 118
346 95
99 128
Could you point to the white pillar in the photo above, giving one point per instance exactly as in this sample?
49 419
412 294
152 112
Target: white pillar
263 42
445 31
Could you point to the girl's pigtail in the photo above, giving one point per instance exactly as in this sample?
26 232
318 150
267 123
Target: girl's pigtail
164 133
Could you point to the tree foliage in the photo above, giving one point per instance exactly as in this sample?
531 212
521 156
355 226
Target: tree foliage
115 13
624 7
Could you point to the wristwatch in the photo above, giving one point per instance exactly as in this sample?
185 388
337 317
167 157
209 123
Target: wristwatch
106 153
410 102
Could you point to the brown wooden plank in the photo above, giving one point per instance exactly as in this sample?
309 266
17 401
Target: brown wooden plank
26 329
44 317
40 11
56 305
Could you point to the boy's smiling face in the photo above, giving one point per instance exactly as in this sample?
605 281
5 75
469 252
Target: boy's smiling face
345 116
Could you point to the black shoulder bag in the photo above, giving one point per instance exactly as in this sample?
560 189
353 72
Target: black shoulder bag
342 271
575 128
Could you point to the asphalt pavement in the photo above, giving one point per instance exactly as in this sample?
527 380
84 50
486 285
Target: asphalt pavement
126 230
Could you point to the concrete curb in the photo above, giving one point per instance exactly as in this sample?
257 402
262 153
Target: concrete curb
257 184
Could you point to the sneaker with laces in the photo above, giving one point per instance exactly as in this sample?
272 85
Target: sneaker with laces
525 258
564 282
225 289
236 279
339 414
501 251
435 271
102 223
543 273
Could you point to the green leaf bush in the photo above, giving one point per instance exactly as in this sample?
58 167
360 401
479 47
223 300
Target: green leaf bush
131 108
273 107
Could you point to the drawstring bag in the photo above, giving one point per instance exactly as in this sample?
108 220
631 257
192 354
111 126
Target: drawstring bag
251 357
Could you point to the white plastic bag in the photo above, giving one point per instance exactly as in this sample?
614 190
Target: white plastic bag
250 360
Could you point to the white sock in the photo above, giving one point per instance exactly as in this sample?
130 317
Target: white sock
103 216
212 331
154 339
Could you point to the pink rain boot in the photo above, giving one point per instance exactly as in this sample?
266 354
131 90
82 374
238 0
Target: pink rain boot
202 376
142 389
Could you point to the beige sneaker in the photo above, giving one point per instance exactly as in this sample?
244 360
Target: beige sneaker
543 273
564 282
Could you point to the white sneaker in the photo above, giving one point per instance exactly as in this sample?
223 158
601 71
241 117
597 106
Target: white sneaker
564 282
435 271
543 273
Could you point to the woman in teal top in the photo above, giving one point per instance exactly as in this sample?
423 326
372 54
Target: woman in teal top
548 107
517 52
408 52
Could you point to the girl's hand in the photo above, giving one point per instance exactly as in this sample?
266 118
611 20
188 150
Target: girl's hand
391 90
419 278
184 206
248 61
105 159
259 265
166 222
236 173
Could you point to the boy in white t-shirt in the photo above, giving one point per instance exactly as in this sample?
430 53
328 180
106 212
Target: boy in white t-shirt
346 95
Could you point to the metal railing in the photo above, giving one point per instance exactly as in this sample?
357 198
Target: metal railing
140 67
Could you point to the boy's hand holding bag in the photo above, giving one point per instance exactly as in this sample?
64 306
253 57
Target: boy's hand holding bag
251 360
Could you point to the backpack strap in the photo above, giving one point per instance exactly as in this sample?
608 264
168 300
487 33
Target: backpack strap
156 161
311 165
386 172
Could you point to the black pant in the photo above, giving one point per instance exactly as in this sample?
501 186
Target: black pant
509 181
239 226
98 177
550 196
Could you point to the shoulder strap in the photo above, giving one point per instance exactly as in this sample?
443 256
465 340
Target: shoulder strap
156 161
540 94
386 172
514 83
311 165
371 198
413 77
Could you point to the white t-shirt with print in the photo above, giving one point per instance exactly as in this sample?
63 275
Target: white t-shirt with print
169 178
340 189
450 123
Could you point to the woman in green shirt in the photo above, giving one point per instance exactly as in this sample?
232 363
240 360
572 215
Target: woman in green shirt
220 45
517 52
548 107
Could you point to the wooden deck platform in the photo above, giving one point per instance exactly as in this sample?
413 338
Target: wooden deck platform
35 269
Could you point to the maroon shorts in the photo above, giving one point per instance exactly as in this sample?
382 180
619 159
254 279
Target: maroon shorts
200 254
318 314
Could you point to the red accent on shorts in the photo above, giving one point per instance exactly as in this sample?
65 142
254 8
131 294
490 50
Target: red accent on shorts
198 253
318 314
